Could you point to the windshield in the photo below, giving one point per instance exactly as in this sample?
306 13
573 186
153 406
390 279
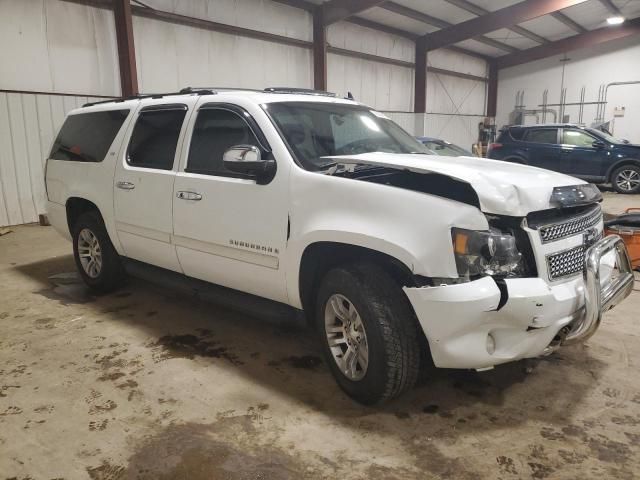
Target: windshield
316 130
606 136
446 149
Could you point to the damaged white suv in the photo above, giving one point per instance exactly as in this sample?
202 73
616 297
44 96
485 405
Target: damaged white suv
325 205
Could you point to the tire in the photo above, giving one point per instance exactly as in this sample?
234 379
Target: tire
106 276
390 332
626 179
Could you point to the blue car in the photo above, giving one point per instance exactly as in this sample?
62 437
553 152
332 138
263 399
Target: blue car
444 148
581 152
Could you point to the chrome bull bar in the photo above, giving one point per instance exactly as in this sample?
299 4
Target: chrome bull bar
599 299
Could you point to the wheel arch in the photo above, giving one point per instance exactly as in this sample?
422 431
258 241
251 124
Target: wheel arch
76 206
321 256
621 163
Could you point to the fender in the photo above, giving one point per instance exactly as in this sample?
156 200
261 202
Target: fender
411 227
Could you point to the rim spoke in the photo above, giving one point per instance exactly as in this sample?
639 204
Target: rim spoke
337 341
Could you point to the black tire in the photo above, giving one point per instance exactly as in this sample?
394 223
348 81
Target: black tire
390 326
618 184
111 272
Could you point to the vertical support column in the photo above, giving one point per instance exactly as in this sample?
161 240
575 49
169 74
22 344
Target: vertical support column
319 50
492 90
420 87
126 48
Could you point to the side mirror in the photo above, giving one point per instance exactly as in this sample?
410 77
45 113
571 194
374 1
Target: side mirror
247 160
598 145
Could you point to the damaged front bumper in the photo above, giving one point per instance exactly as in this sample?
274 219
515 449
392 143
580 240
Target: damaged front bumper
466 328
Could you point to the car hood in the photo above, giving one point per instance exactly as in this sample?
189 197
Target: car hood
503 188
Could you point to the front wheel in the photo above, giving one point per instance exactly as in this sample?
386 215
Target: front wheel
626 179
368 332
97 260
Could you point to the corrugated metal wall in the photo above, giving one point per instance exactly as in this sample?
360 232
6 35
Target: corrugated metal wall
40 51
459 129
28 124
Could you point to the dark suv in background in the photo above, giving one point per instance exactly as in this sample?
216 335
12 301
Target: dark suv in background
578 151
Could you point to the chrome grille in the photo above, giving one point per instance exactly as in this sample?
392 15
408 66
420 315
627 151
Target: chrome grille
566 263
574 226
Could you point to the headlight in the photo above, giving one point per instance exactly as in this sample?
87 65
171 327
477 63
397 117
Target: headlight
481 253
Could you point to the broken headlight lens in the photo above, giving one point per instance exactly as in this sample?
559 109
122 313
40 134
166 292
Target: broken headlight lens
492 252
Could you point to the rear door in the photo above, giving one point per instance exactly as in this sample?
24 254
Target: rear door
578 151
543 149
143 182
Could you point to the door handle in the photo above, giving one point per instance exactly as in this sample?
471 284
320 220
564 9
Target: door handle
125 185
189 196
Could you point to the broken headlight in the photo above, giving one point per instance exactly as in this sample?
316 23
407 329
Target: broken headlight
492 252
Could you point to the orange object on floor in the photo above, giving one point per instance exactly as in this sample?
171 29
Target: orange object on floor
628 227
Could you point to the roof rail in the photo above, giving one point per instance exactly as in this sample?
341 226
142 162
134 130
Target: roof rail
142 96
301 91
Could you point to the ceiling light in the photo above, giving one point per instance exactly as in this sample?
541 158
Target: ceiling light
615 20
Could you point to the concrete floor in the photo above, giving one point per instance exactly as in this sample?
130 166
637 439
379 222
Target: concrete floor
146 384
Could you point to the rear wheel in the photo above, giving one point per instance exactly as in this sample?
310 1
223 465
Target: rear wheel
626 179
96 259
369 333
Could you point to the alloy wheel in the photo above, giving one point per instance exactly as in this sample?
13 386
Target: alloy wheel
346 337
628 180
90 253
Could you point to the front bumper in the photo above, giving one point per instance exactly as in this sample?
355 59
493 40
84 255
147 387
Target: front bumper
466 329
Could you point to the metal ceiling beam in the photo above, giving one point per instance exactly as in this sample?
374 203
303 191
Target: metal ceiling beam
584 40
503 18
572 24
126 48
336 10
438 23
476 10
609 5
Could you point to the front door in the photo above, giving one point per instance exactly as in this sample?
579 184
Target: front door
228 229
143 184
584 159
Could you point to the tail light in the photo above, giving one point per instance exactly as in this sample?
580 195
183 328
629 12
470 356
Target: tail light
495 146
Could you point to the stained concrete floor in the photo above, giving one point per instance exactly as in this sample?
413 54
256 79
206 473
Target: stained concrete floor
147 384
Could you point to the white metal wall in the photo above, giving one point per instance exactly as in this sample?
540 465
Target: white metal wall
61 47
610 62
53 46
28 124
459 129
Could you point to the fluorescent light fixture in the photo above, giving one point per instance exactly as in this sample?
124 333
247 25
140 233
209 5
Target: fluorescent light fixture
615 20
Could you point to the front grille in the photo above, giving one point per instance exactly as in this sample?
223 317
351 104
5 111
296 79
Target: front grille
566 263
574 226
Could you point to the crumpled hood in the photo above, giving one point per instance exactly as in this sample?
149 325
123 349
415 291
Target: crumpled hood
503 188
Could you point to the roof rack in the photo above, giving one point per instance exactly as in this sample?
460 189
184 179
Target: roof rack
142 96
300 91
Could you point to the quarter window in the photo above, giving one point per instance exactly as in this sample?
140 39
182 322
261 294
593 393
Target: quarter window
155 138
215 131
542 135
577 138
86 137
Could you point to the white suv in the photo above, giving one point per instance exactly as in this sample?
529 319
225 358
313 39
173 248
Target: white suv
327 206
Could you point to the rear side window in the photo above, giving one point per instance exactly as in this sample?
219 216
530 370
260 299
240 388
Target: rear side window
542 135
86 137
516 133
155 137
215 131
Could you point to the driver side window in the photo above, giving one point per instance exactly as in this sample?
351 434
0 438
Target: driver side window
215 131
577 138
